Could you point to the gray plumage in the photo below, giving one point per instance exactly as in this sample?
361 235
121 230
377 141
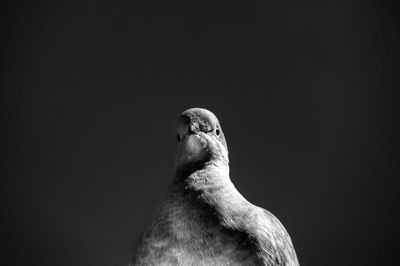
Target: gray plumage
205 220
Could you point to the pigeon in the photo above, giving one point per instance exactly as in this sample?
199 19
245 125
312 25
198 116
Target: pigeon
204 220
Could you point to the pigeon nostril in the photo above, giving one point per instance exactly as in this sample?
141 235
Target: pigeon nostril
192 128
178 138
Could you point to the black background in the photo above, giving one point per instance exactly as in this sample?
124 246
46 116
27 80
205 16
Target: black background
305 92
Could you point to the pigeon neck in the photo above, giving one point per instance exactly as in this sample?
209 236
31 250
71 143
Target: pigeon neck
209 188
197 176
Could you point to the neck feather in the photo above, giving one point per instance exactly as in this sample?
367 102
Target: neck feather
200 175
210 192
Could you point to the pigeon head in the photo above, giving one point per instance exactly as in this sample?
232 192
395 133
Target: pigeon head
200 138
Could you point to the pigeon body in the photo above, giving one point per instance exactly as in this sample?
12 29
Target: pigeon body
205 220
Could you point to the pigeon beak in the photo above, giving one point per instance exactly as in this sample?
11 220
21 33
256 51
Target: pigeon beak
191 144
188 128
193 128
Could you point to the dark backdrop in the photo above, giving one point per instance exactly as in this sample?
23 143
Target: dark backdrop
90 95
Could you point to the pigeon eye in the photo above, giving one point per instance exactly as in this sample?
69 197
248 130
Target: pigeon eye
178 138
217 132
